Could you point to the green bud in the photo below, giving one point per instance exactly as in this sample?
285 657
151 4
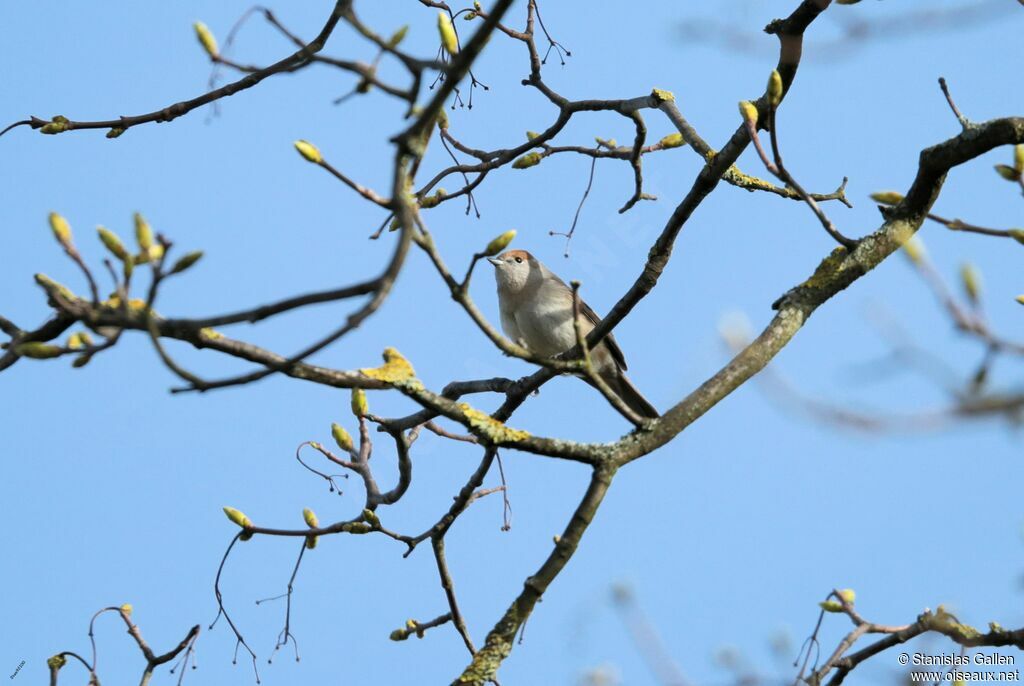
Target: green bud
51 285
56 662
530 135
54 127
499 243
1016 234
530 159
155 252
341 437
1020 299
448 38
848 595
1018 158
143 233
206 38
113 243
399 635
831 606
442 119
79 340
774 88
748 111
313 523
61 229
186 261
38 351
358 528
360 407
238 517
673 140
887 197
433 200
397 37
309 151
1005 171
914 247
970 278
470 16
126 608
371 518
115 132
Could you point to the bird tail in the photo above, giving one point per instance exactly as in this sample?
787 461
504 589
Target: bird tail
633 398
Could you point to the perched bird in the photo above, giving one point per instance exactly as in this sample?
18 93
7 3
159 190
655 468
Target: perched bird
537 313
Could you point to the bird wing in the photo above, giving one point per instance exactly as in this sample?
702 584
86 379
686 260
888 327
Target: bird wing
609 340
588 312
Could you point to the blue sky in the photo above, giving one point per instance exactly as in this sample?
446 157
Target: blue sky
730 534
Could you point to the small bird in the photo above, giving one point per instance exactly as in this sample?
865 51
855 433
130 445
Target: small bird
537 313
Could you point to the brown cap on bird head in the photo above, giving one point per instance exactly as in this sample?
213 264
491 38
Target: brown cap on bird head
509 255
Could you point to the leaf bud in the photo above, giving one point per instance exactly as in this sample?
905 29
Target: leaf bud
774 88
371 517
186 261
206 38
499 243
530 159
887 197
397 37
1005 171
143 233
360 407
113 243
61 229
749 112
309 151
341 437
38 351
831 606
238 517
448 38
673 140
970 278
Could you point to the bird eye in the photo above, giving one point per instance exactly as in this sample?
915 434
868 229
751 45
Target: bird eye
519 260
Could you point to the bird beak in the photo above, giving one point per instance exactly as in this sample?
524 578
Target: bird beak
494 260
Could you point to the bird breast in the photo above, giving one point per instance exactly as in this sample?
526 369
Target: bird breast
544 319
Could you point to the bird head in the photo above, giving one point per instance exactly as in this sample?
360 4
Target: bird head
515 269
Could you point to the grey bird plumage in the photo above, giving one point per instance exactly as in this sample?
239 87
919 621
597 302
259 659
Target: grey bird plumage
537 313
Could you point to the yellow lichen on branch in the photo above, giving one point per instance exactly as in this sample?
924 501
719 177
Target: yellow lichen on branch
662 95
395 368
491 428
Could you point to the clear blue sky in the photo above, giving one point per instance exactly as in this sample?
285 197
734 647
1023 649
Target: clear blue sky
113 487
